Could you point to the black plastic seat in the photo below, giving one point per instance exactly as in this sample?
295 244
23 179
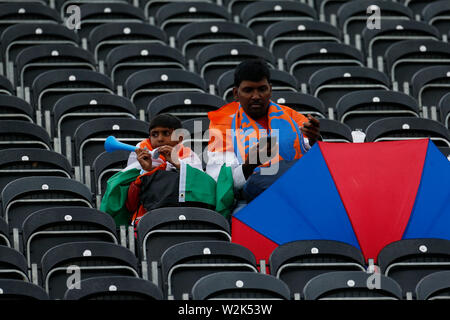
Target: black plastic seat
297 262
23 134
435 286
63 5
301 102
409 260
125 60
15 108
184 263
84 260
114 288
261 14
335 131
281 36
444 107
240 286
352 285
12 264
105 166
23 162
6 87
4 233
360 108
417 6
406 128
327 9
184 105
21 290
143 86
437 15
151 7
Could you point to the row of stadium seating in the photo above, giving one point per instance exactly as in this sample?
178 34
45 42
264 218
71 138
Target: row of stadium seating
176 247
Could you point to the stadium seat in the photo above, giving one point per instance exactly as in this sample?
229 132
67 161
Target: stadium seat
23 134
184 263
236 6
261 14
297 262
194 36
24 162
14 108
84 260
172 16
49 227
360 108
63 5
151 7
327 9
164 227
444 107
23 196
417 6
12 264
143 86
406 128
376 41
108 36
104 167
435 286
409 260
280 81
282 36
301 102
429 85
239 286
437 15
353 18
331 83
114 288
214 60
404 58
95 14
303 60
198 139
6 87
4 233
445 151
184 105
123 61
335 131
89 139
21 290
74 109
352 285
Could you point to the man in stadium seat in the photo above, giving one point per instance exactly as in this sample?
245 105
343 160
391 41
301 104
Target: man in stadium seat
241 133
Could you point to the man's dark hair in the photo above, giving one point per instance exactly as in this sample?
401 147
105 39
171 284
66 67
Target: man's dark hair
165 120
251 70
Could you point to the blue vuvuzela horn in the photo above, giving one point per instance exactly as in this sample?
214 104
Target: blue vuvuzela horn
112 144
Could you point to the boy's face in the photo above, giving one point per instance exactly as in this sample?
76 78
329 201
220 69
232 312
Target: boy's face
161 136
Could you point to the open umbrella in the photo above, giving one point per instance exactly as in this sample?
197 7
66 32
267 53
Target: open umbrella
364 194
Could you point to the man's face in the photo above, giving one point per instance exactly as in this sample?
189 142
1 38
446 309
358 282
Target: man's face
254 97
161 136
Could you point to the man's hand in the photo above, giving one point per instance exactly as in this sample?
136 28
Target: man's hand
311 129
171 154
259 154
145 159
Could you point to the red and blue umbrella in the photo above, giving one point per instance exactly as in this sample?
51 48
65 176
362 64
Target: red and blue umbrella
365 194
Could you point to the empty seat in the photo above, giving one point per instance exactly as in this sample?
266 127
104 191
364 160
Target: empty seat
151 7
24 162
303 60
4 233
360 108
24 196
12 264
331 83
63 5
194 36
236 6
114 288
74 109
444 107
301 102
164 227
404 58
215 59
84 260
437 14
21 290
335 131
417 6
239 286
184 263
327 9
123 61
172 16
261 14
295 263
435 286
281 36
14 108
406 128
409 260
107 36
184 105
351 285
89 139
280 81
197 139
6 87
22 134
143 86
105 166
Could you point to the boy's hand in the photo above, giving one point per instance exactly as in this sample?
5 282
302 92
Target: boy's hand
311 129
145 159
171 154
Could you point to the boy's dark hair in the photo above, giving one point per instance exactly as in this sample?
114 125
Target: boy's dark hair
251 70
165 120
